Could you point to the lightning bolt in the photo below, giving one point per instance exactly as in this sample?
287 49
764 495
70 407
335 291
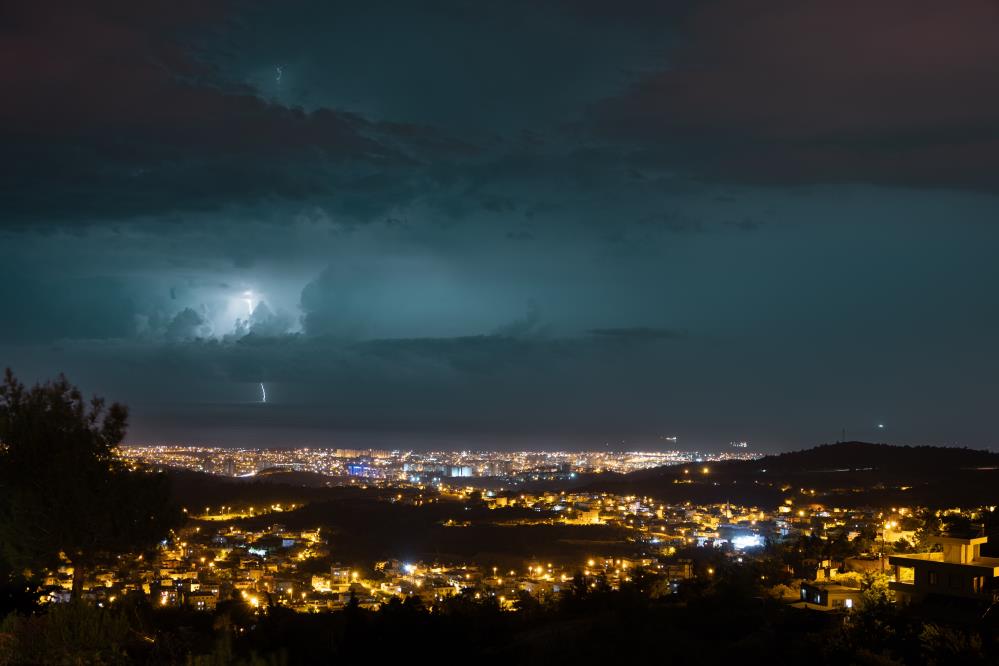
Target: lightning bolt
279 74
263 394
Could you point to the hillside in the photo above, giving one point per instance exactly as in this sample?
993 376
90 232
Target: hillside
848 473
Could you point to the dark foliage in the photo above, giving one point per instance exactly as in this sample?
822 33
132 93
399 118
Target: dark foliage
63 492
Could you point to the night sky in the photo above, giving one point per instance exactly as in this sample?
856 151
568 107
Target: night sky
520 224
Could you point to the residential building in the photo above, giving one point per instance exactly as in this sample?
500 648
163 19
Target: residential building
957 570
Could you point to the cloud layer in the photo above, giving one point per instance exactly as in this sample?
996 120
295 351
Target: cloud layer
535 222
886 92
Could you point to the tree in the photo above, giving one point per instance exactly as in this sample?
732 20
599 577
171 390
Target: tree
526 602
959 524
928 526
64 493
943 645
874 590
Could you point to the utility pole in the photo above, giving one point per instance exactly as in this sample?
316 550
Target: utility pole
883 549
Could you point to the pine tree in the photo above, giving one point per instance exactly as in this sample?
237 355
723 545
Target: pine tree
64 493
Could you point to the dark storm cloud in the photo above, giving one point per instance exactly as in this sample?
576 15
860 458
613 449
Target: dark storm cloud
530 325
169 119
498 71
110 113
639 333
785 91
574 218
129 112
47 306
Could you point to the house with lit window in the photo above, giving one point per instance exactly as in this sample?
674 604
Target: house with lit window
203 600
827 595
957 570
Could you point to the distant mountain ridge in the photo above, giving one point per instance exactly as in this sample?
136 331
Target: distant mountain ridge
860 471
862 455
847 456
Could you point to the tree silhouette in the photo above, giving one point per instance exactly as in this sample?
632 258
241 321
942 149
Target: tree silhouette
64 494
